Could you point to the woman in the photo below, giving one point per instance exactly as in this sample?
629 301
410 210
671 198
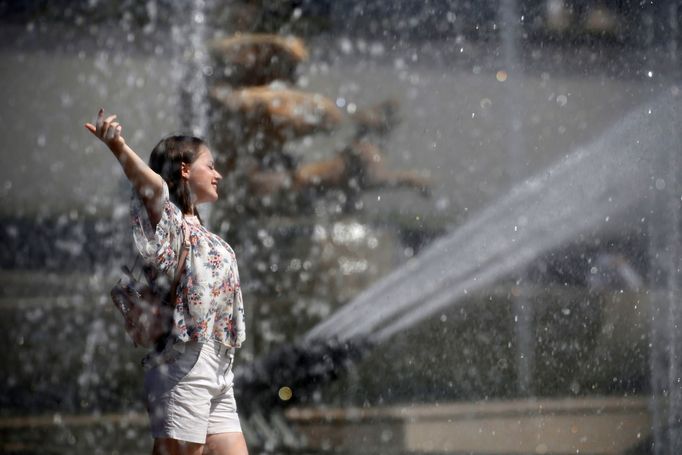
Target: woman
188 384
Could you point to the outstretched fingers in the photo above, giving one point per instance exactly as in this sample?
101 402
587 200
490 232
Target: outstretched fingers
104 128
107 129
99 120
98 123
113 130
103 132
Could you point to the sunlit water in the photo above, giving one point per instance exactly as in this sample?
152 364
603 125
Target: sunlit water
587 190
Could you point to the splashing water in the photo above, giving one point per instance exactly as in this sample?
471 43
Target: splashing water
189 34
89 376
585 190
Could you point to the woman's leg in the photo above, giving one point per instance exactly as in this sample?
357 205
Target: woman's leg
167 446
232 443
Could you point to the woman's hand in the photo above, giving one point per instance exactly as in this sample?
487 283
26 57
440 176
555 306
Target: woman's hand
147 183
108 131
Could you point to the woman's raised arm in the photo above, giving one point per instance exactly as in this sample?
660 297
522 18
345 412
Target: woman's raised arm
147 183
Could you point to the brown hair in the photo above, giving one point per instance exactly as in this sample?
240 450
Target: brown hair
166 160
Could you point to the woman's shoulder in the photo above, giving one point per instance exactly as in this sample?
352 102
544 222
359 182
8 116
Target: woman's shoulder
156 244
168 208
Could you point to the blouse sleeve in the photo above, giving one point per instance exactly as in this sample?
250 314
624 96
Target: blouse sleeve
158 246
238 315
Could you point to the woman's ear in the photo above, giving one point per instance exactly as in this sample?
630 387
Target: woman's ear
184 170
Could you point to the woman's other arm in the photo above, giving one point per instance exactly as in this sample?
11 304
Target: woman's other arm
147 183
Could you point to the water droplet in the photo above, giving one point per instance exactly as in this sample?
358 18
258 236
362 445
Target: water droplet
660 184
376 49
442 203
562 100
66 99
386 435
346 45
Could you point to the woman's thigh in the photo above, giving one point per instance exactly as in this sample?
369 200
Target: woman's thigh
232 443
168 446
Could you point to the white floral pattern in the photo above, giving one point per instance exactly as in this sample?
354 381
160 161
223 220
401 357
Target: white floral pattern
209 302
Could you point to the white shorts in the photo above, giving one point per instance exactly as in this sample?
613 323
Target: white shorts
189 392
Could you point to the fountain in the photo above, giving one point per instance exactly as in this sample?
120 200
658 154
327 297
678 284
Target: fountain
603 184
408 334
600 185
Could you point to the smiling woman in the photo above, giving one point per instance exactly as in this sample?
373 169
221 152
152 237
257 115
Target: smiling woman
186 164
188 378
203 177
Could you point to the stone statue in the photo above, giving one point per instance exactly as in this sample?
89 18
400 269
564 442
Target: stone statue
255 112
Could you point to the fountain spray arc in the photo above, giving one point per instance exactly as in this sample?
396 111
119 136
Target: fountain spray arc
189 34
587 190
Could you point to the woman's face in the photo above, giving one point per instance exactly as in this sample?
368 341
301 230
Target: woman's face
203 178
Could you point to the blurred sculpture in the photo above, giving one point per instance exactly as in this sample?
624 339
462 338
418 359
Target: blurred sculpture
262 119
243 58
252 124
358 167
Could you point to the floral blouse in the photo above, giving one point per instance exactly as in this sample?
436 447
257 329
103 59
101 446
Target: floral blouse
209 303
